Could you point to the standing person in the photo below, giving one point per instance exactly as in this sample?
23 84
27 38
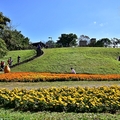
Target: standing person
10 61
2 65
18 59
38 47
73 71
39 51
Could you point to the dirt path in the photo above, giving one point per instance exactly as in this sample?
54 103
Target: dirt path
36 85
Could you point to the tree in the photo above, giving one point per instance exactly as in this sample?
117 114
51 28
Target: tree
18 41
14 39
83 38
115 41
50 44
104 42
3 48
3 25
67 39
3 20
92 42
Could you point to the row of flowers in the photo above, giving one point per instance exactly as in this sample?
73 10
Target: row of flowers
37 76
74 99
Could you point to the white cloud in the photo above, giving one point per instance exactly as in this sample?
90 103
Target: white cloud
95 22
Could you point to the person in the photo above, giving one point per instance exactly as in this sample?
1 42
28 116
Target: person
39 51
2 65
10 61
18 59
73 71
118 58
38 47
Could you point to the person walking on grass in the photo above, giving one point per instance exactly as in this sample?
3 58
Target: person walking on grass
18 59
10 61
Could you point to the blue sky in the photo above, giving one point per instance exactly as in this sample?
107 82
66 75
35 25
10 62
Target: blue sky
40 19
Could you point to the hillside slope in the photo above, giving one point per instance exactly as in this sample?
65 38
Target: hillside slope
82 59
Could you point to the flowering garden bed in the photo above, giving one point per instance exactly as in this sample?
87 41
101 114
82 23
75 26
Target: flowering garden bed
37 77
74 99
68 99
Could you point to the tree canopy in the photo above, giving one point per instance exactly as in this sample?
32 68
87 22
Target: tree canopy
104 42
67 40
3 20
10 38
13 38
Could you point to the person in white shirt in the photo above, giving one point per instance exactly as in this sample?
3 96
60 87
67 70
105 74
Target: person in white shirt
73 71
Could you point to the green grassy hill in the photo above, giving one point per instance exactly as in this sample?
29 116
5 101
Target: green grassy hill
24 54
60 60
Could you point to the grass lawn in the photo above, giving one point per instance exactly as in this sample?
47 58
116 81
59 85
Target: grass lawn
82 59
24 54
11 115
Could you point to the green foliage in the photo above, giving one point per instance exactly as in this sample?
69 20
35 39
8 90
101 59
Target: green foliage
19 41
14 39
3 49
67 40
16 115
50 44
102 42
3 20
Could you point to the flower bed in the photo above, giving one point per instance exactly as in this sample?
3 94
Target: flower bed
74 99
36 77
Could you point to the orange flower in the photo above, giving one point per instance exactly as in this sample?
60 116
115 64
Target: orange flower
37 76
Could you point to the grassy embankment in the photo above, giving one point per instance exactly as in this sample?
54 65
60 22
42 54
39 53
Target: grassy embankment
83 60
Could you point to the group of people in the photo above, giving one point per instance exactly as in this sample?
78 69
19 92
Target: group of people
9 61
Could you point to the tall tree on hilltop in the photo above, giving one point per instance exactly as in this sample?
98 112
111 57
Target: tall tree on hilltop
4 29
84 37
18 41
14 39
3 23
67 40
104 42
3 20
115 41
